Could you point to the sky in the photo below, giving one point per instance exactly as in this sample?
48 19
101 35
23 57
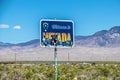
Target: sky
20 19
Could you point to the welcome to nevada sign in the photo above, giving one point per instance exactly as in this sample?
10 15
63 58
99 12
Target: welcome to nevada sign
56 32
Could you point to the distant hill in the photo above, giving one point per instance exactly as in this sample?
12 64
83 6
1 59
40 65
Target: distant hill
33 43
4 45
103 38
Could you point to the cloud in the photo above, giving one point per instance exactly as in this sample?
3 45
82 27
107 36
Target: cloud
17 27
4 26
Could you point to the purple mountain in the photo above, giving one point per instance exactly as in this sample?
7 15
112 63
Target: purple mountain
104 38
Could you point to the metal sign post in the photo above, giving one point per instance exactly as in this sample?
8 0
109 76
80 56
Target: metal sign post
55 62
54 41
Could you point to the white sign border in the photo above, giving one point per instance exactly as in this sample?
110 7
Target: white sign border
60 21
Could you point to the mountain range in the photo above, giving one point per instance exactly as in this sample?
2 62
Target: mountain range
103 38
104 45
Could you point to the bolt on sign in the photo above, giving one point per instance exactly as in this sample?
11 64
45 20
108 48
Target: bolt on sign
56 32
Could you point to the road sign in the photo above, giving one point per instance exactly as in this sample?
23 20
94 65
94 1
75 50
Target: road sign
56 32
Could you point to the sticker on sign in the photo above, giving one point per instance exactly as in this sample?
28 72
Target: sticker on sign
58 33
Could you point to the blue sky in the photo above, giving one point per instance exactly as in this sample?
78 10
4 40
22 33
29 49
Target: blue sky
20 19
